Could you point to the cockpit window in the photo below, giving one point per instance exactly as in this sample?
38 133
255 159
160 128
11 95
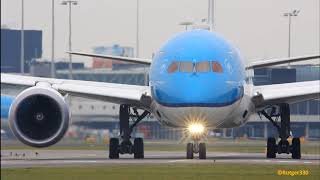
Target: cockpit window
203 66
189 67
173 67
216 67
186 67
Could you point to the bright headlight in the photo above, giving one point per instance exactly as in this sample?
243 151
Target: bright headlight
196 128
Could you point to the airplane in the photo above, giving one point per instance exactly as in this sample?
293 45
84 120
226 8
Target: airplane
197 81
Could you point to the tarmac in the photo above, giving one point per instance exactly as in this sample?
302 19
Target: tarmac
56 158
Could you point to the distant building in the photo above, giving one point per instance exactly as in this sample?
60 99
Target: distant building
43 68
135 76
297 73
11 48
115 50
275 75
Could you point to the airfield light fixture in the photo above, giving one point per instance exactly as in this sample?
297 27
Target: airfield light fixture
289 15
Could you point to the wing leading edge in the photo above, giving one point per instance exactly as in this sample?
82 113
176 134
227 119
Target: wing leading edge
117 58
111 92
285 93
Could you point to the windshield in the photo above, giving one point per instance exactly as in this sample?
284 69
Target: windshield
186 66
203 66
173 67
216 67
189 67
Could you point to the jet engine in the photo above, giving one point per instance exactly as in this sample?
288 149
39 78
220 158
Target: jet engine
39 116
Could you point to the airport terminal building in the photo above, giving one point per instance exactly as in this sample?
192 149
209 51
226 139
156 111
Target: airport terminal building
11 44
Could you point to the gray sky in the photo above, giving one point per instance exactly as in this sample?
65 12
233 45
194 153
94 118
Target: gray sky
256 27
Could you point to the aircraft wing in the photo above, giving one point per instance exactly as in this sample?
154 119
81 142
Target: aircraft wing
110 92
285 93
117 58
272 62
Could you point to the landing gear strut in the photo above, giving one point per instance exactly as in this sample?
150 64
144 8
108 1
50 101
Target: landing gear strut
124 145
283 145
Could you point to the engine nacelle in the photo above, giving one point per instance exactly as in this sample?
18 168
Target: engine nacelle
39 116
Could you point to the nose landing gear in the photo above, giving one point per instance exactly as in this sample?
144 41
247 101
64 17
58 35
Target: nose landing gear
198 133
196 148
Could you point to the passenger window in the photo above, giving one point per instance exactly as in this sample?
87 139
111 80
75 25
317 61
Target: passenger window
173 67
186 67
203 66
216 67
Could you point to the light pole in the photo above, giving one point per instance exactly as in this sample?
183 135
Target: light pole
70 3
289 15
137 42
137 30
52 42
211 14
22 39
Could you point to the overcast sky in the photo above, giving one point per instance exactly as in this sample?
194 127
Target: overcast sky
256 27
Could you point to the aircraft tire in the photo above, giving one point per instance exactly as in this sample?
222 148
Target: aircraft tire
296 148
114 148
189 151
138 148
202 151
271 148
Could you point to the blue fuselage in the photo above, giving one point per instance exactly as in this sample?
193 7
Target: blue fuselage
197 88
198 75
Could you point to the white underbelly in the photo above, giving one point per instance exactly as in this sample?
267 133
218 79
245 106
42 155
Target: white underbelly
181 116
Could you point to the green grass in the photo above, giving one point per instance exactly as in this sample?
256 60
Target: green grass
160 172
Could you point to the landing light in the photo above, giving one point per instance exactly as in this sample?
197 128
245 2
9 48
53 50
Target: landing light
196 128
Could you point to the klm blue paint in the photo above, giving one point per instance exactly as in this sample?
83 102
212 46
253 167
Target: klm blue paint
6 102
203 89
